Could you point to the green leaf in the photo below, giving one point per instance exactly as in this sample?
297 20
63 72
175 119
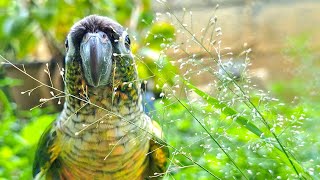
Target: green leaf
5 103
31 132
10 82
303 174
226 110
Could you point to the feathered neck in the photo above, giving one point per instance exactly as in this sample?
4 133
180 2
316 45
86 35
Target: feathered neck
123 90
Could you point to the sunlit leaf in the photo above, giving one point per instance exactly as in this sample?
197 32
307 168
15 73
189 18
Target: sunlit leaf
228 111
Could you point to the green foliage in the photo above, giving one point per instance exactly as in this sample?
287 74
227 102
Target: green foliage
274 139
19 135
153 62
25 24
227 111
258 157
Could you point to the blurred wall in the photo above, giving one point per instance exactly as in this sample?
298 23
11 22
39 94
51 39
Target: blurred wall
264 25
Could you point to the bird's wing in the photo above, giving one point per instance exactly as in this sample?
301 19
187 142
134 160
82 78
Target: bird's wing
48 150
158 152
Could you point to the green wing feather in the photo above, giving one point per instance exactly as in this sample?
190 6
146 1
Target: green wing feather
46 161
158 153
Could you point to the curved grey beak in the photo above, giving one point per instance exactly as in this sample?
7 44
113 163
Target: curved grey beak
96 54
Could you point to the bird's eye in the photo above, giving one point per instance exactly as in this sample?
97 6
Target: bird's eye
127 42
66 44
124 43
104 36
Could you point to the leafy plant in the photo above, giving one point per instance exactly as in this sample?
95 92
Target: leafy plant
19 134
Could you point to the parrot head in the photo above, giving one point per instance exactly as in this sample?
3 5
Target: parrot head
99 47
99 64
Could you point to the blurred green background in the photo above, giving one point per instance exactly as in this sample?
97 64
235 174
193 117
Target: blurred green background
36 30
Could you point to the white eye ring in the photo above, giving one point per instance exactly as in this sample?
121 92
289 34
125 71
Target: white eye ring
122 43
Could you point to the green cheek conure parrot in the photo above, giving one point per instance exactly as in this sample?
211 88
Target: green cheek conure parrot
102 131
